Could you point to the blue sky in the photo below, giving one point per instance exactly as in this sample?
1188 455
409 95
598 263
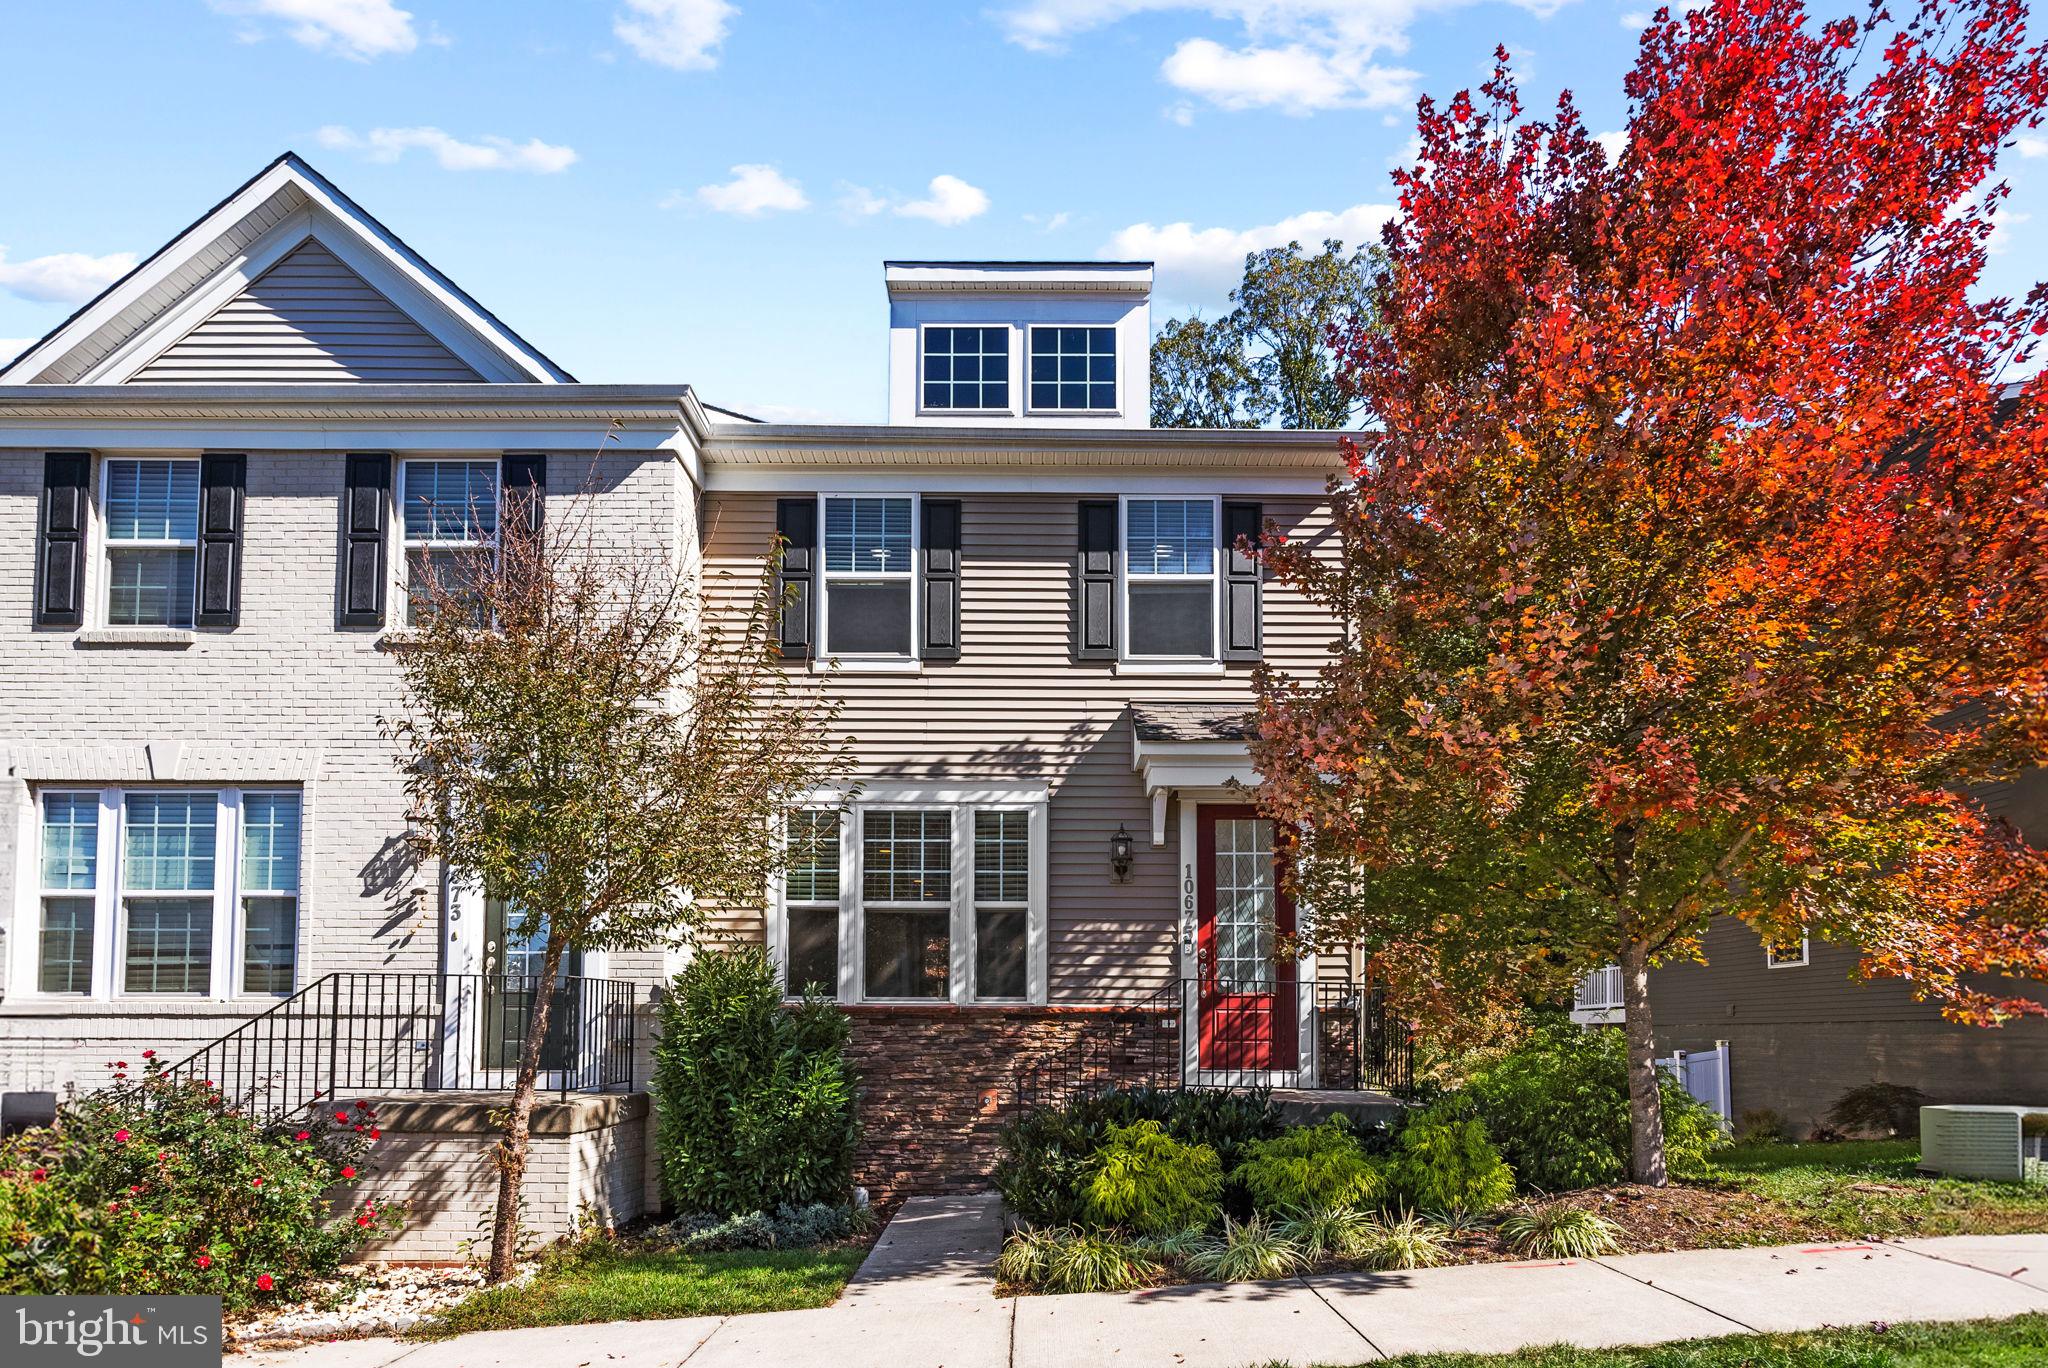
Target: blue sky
703 191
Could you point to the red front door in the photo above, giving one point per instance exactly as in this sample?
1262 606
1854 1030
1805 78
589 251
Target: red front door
1248 998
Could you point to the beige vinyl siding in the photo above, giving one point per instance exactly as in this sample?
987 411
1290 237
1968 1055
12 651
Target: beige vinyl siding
308 319
1017 707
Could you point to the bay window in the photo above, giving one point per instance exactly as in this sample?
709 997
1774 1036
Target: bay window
916 896
1170 561
161 892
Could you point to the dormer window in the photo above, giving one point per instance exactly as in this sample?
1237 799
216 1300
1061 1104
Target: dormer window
966 369
1073 370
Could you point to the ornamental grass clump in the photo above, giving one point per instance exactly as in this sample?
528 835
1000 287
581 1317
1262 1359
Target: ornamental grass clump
1247 1250
1090 1261
159 1188
1404 1241
1554 1230
1338 1232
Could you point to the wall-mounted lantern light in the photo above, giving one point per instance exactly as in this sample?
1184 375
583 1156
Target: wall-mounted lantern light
1120 854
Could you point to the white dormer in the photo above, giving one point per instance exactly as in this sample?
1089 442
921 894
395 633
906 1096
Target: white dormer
1020 343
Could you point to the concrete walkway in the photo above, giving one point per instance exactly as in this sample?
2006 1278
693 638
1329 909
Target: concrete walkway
924 1299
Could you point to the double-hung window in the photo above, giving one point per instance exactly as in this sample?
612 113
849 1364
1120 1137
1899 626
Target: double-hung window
151 511
870 585
449 513
916 897
811 901
966 369
1170 560
1787 954
160 892
1073 370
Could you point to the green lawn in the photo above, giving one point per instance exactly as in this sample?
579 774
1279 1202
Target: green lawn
1870 1188
612 1282
2019 1343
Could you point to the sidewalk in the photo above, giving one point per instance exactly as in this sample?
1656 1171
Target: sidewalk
925 1299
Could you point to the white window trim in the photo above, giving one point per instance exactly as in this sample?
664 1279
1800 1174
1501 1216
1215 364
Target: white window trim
962 804
1007 411
1805 954
401 570
1117 341
909 663
1127 663
103 600
110 927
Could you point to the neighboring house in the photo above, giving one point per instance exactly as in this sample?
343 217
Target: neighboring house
215 480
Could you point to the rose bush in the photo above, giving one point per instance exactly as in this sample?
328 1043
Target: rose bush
157 1187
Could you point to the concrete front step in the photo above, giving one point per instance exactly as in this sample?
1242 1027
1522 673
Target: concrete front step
1312 1106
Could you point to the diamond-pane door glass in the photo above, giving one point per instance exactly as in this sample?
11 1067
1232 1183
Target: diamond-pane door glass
1246 903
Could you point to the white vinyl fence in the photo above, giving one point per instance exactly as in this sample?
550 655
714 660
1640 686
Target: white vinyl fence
1704 1074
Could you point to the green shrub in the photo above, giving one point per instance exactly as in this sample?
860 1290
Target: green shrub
754 1101
1449 1163
1306 1167
1885 1109
1145 1179
1247 1249
1045 1163
1553 1230
161 1190
1760 1126
1558 1109
1404 1241
786 1227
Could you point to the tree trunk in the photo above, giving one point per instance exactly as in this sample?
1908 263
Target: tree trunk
1645 1105
511 1153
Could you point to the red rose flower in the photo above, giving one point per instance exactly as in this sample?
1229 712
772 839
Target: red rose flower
120 1137
363 1219
303 1135
376 1134
348 1170
262 1282
341 1118
255 1182
204 1261
149 1054
40 1174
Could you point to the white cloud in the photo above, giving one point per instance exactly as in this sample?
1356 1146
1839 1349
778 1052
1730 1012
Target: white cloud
681 34
1298 56
62 277
11 347
488 153
1197 262
356 29
948 201
1635 20
755 189
1612 143
1180 112
1049 223
2031 147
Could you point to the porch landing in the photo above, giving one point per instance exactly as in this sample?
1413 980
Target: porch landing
1313 1106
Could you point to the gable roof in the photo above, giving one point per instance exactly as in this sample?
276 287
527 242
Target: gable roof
185 284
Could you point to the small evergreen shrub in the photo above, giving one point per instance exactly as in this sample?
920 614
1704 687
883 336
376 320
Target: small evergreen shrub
1558 1109
754 1101
1760 1126
1553 1230
1145 1179
1450 1164
1885 1109
1308 1167
786 1227
162 1190
1046 1158
1247 1250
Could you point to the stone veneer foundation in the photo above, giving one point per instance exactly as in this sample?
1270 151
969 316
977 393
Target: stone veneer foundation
937 1083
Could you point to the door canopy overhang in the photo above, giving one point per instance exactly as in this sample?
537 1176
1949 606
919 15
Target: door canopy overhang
1187 747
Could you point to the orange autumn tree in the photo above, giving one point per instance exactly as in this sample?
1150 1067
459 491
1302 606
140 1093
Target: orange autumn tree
1694 568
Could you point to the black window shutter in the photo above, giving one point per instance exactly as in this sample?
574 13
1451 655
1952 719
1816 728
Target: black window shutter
523 492
223 493
60 587
366 515
796 524
1242 633
941 580
1095 582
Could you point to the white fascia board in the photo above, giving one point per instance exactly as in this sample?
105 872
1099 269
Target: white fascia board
1017 277
906 795
1017 479
106 435
1194 752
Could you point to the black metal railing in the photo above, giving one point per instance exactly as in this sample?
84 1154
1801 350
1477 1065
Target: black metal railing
1319 1034
353 1033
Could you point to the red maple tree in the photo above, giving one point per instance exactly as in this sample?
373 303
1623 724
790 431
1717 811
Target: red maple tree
1699 564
